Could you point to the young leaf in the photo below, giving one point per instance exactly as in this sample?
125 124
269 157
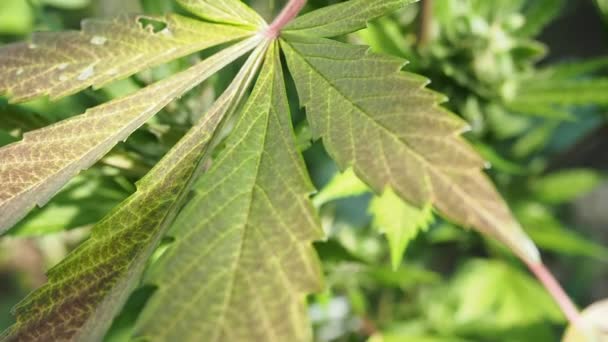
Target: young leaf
34 169
225 11
343 18
385 125
400 222
392 216
345 184
61 64
87 289
243 244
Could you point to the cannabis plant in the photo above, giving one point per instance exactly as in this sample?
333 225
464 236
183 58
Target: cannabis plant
232 197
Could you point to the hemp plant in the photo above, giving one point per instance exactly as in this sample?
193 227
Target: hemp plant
233 194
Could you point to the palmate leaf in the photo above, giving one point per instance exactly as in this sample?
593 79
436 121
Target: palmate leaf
86 290
225 11
343 18
62 63
242 260
385 125
34 169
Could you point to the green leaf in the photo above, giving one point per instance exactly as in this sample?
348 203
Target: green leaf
58 64
570 70
15 17
565 186
87 289
489 296
385 125
553 93
538 14
550 234
343 18
224 11
34 169
243 248
400 222
68 4
603 7
345 184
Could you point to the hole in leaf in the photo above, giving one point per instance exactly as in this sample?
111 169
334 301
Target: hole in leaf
152 25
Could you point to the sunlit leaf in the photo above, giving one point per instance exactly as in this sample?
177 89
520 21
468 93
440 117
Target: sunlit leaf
345 184
224 11
490 295
243 261
400 222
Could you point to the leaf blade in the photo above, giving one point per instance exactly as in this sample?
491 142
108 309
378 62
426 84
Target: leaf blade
58 64
34 169
399 221
343 18
87 289
355 103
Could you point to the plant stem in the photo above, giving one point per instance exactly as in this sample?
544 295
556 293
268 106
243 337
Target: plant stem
559 295
426 23
288 13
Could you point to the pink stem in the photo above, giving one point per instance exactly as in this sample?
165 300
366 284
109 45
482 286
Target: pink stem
288 13
561 298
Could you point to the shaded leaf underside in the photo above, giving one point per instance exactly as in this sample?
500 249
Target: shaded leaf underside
385 125
87 289
34 169
58 64
243 261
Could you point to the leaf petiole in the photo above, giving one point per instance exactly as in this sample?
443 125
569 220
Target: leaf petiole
291 10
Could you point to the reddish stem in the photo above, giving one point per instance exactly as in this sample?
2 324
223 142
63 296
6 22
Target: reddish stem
559 295
288 13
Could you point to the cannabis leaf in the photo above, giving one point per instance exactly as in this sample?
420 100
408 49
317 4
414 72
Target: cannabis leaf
242 260
343 18
34 169
225 11
243 249
60 64
87 289
400 221
385 125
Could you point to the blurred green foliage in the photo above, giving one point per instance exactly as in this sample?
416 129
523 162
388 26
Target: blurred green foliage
432 281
